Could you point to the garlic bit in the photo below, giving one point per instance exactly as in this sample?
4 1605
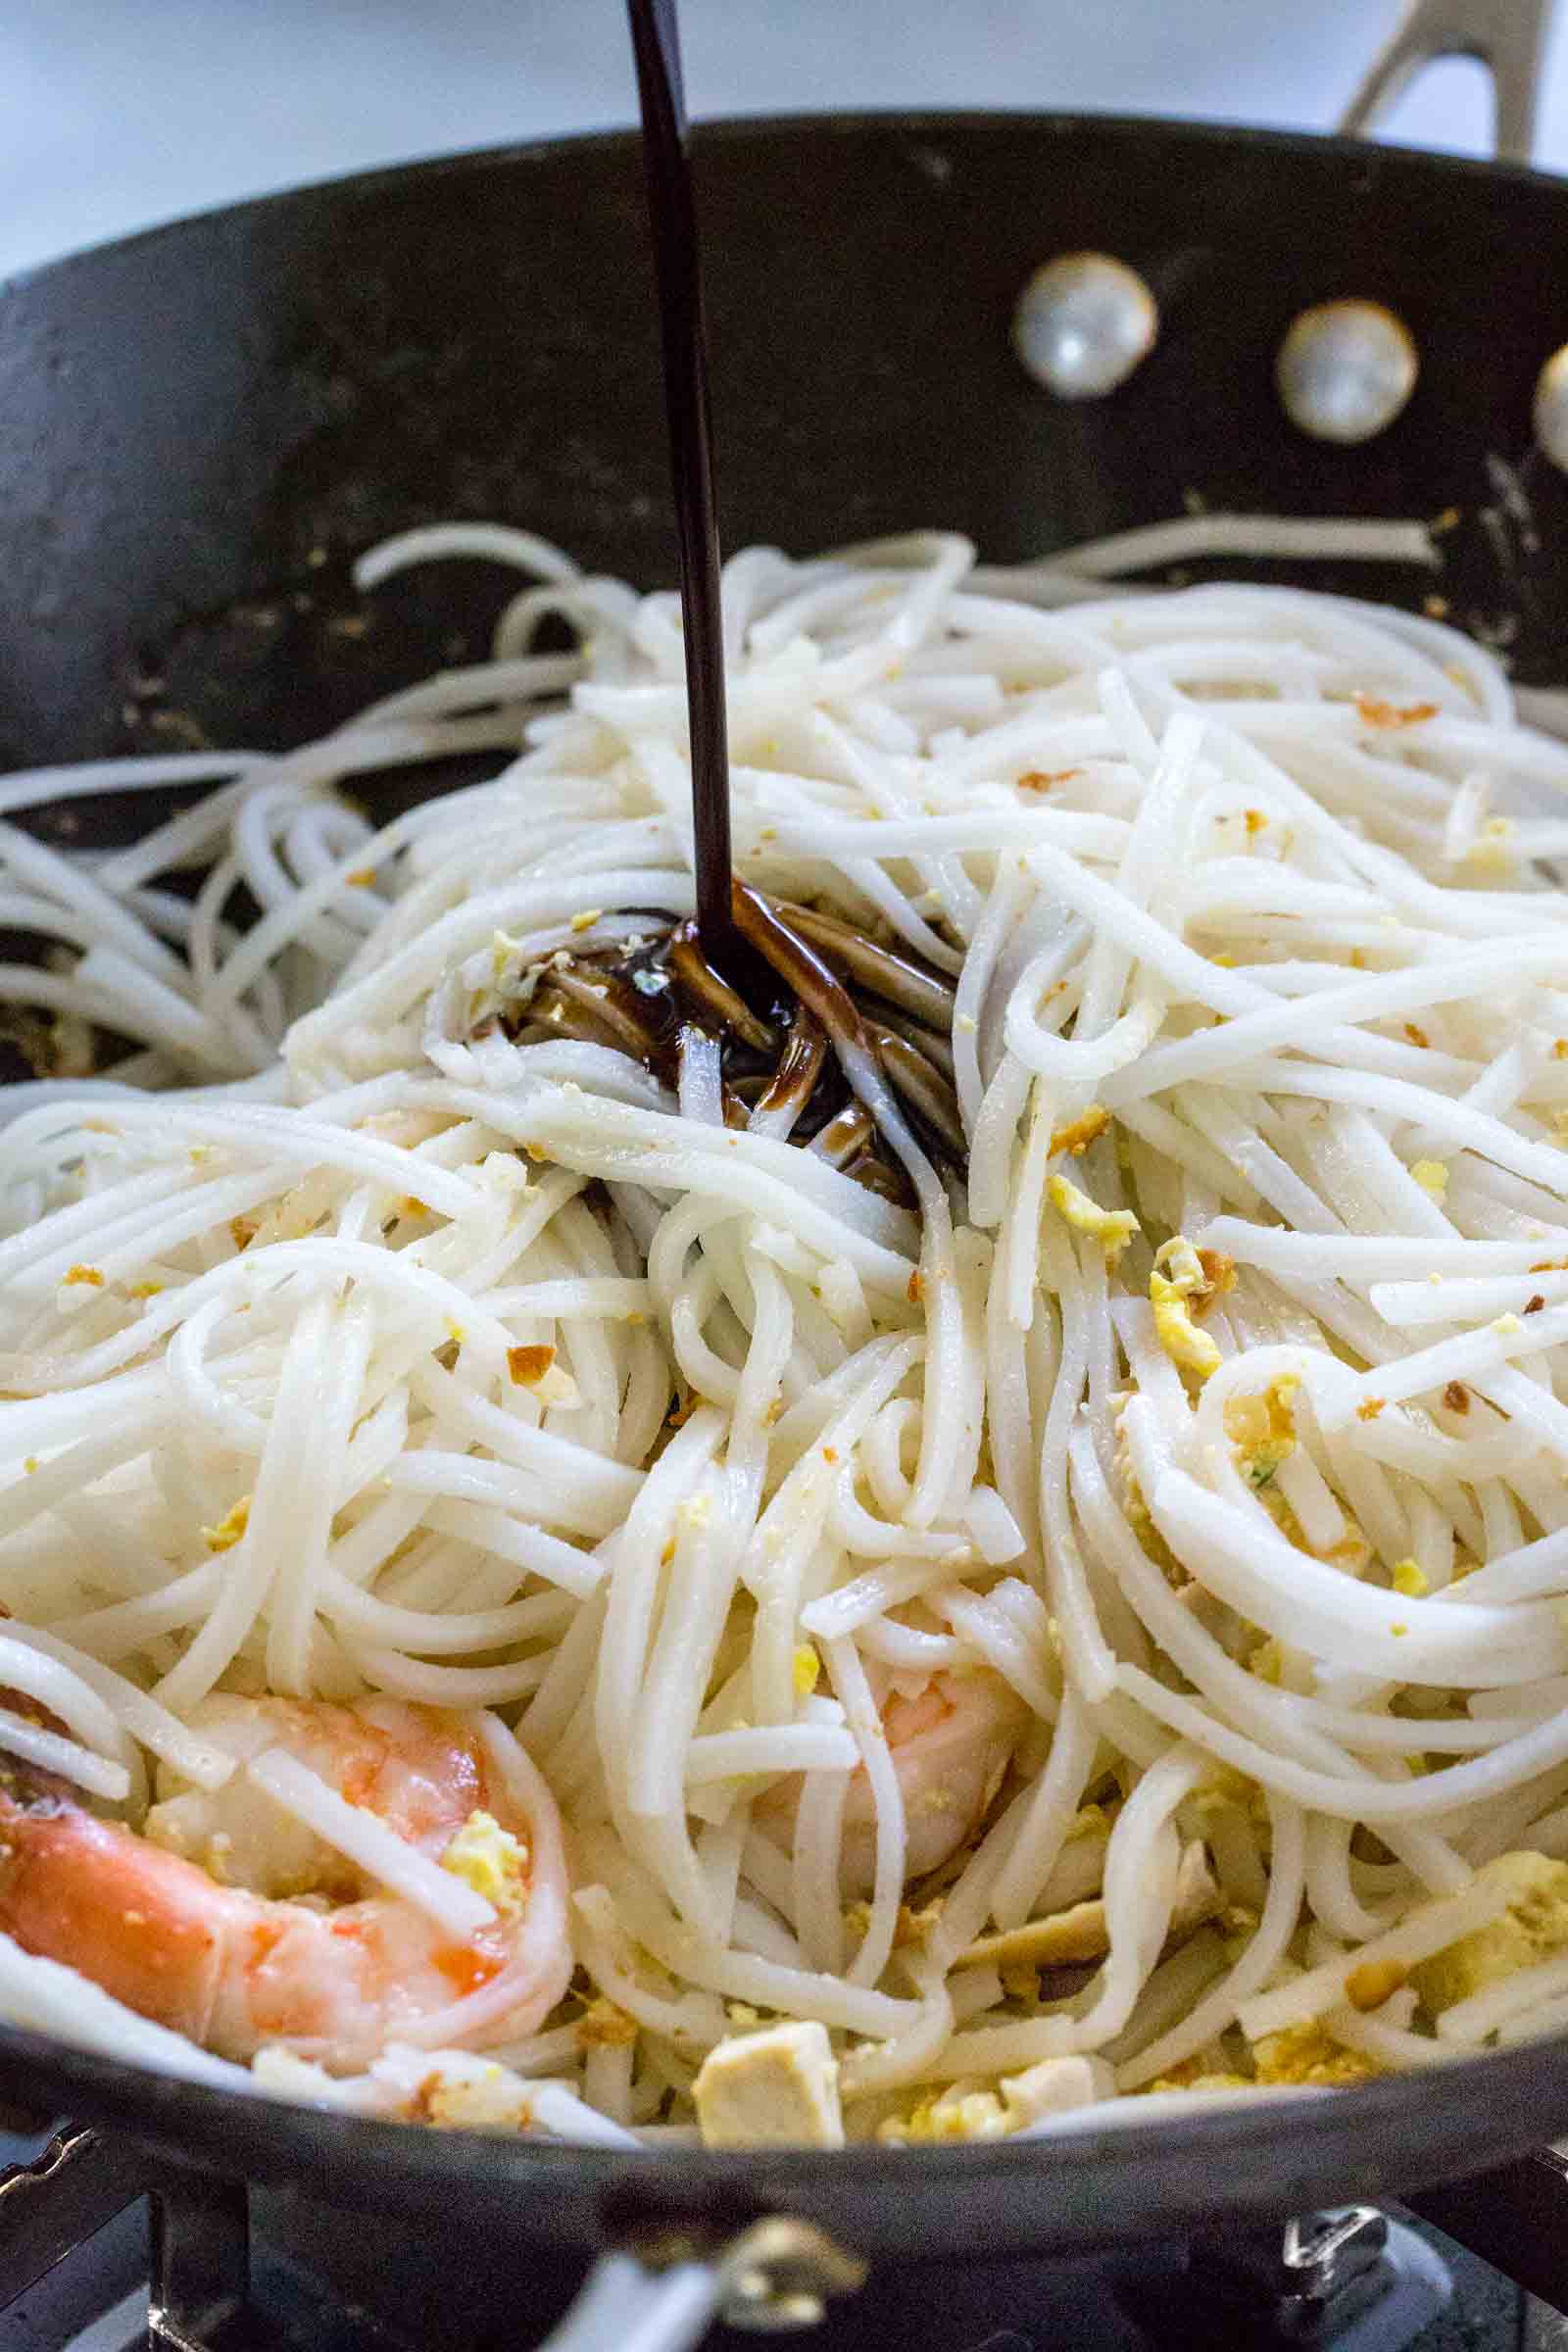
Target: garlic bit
1083 324
1550 414
1345 370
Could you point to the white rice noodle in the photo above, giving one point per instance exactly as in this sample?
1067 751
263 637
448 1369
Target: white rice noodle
356 1833
47 1998
363 1333
1303 1997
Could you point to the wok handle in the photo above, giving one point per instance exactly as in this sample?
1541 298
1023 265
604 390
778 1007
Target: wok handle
624 2308
773 2277
1507 36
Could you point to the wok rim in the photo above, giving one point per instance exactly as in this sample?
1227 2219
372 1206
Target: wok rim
1398 2134
1402 2132
725 131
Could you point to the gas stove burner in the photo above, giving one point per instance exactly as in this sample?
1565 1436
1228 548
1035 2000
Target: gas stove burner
107 2248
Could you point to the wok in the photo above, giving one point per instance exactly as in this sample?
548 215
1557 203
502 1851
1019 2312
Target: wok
200 426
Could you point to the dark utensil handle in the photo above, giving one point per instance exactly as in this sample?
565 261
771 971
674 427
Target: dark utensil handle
1507 36
683 335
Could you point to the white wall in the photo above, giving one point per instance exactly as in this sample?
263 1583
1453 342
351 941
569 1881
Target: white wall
118 113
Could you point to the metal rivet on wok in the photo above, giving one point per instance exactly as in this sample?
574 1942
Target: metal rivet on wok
1083 324
781 2274
1550 414
775 2277
1345 370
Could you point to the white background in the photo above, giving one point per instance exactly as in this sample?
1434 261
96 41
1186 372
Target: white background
115 114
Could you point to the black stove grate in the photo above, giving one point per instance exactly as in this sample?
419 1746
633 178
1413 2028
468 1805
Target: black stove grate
104 2248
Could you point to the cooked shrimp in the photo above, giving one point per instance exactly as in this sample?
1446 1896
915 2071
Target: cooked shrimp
951 1745
298 1949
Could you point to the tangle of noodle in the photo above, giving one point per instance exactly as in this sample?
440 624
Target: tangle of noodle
1243 901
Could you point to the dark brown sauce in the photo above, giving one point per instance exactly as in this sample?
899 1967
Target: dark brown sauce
648 1001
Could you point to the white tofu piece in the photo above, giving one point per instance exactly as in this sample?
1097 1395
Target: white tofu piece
778 2088
1054 2085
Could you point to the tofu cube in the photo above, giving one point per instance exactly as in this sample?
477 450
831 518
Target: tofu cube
778 2088
1054 2085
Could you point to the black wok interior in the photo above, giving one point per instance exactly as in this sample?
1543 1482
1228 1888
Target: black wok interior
201 428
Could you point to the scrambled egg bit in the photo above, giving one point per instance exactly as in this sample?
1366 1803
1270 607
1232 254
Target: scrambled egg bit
965 2111
472 2098
605 2027
535 1368
231 1528
1262 1429
1201 2079
778 2088
1533 1927
1308 2054
492 1861
1112 1228
1080 1133
1178 1287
